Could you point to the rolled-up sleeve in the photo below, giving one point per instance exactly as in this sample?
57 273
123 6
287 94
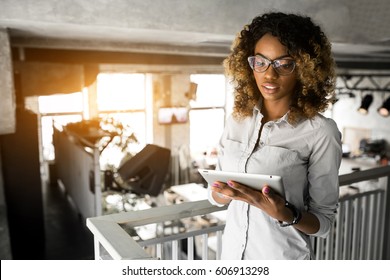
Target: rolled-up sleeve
323 178
218 167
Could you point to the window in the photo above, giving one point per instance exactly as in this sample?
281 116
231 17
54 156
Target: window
120 92
47 123
122 97
119 96
126 98
134 123
207 114
60 109
211 90
61 103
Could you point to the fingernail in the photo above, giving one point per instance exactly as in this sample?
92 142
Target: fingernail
230 183
266 189
216 185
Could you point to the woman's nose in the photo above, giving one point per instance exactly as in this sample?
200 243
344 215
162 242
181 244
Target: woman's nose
271 72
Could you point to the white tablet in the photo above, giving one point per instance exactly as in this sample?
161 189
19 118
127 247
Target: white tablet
256 181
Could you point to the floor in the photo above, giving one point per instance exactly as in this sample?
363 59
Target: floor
5 249
67 237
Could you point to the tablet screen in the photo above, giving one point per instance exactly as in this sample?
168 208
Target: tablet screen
256 181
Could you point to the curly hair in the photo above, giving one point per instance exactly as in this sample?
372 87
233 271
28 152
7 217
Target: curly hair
306 44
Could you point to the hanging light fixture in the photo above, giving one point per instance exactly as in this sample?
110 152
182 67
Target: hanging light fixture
384 110
366 102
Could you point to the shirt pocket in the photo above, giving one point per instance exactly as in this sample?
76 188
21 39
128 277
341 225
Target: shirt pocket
232 153
283 162
274 161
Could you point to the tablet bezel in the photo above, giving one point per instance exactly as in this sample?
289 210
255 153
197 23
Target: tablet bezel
255 181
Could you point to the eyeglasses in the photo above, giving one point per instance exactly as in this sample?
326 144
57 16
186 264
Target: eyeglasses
282 66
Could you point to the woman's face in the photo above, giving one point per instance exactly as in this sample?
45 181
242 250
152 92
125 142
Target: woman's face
273 86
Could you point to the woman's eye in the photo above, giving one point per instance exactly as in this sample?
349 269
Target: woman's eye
289 65
259 63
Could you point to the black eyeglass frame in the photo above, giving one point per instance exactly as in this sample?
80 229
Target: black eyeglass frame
275 64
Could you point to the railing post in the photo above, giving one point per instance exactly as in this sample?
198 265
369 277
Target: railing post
96 244
386 241
97 182
219 244
356 229
190 248
205 247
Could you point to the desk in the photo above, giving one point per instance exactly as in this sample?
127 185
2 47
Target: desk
190 192
196 192
348 164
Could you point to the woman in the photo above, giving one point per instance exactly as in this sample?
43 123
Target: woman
283 74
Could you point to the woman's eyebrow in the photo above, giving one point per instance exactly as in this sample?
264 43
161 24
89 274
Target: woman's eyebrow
280 57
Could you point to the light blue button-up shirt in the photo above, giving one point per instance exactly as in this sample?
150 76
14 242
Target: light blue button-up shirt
307 154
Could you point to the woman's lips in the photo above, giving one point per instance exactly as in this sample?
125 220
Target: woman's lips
270 88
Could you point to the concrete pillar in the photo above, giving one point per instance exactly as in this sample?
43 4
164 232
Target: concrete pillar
180 133
170 91
7 95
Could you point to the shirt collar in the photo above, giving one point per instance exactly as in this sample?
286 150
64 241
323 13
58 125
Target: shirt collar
283 119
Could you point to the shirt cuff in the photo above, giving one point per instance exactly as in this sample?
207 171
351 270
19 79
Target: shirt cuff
211 198
325 225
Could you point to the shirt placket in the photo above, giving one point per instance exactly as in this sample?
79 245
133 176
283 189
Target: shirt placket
265 134
254 140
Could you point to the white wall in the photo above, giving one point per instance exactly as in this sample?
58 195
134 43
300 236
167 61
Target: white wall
355 125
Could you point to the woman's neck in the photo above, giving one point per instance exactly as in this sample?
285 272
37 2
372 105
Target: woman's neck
274 110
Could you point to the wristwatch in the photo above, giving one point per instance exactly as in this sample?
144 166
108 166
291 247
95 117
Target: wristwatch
297 215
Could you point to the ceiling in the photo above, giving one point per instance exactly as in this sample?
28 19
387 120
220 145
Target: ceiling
359 29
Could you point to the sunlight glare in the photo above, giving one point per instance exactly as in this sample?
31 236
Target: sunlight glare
114 91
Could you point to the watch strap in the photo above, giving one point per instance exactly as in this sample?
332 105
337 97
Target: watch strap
297 215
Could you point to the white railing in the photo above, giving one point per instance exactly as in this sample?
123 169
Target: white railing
357 233
361 229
